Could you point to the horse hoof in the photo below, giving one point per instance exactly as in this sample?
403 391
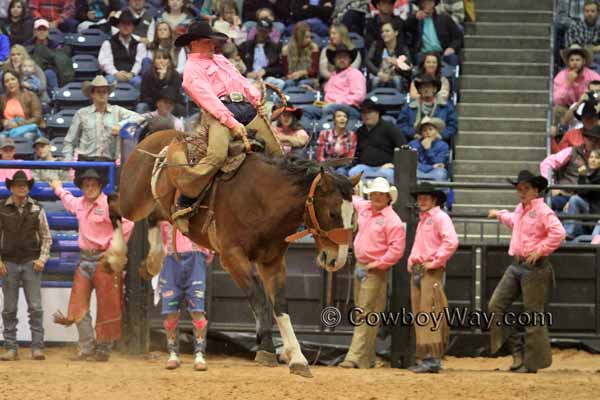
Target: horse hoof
266 359
300 369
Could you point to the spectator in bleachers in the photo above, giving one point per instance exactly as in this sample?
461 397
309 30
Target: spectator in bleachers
162 76
26 242
94 129
401 8
261 55
374 24
19 107
300 58
431 65
428 105
585 32
18 24
178 15
4 47
229 22
588 115
164 38
274 33
166 100
566 163
385 61
585 201
454 8
434 32
280 10
433 151
572 82
230 51
346 88
60 13
571 117
145 29
94 14
351 13
338 35
43 152
7 153
376 141
337 142
18 56
29 79
315 13
121 56
289 131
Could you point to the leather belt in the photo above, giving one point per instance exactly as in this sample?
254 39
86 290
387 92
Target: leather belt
234 97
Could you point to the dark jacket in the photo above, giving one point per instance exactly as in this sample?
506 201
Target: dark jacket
373 29
19 32
444 110
124 58
272 51
55 57
151 87
569 173
31 106
376 51
438 153
376 147
19 237
447 31
298 13
591 196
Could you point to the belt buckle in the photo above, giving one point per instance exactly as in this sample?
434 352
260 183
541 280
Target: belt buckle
236 97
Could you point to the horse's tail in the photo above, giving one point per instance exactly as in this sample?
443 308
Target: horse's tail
136 199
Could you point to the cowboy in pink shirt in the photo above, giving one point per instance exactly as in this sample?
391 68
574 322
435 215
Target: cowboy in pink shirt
378 245
435 243
102 242
230 104
572 82
536 233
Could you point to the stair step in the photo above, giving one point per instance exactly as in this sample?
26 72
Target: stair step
506 168
504 96
506 68
503 82
476 138
507 42
508 28
475 196
515 5
492 110
506 55
478 178
508 153
503 124
490 15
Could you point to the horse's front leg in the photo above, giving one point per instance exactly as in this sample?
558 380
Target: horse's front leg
273 275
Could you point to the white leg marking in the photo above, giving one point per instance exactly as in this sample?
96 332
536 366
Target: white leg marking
290 343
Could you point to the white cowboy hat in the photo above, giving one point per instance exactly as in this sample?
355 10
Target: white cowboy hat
99 81
436 122
381 185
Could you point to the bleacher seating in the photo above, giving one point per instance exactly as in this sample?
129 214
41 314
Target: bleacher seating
299 96
87 41
86 67
390 99
71 96
124 95
58 124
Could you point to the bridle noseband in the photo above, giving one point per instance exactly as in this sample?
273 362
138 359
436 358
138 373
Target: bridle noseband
339 236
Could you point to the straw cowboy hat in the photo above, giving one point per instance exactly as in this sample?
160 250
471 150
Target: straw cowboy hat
19 176
576 49
341 48
428 188
199 30
99 81
381 185
536 181
436 122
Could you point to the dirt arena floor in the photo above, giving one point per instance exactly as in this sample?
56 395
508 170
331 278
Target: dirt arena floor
574 375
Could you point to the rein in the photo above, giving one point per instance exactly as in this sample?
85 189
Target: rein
339 236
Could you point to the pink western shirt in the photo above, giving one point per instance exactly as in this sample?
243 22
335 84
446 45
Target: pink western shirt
566 93
381 236
535 228
435 241
95 228
205 79
346 87
183 243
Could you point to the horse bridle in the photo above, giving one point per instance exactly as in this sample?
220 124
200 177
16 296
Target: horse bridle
339 236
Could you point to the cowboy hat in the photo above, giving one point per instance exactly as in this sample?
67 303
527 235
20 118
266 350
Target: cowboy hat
428 188
587 109
199 30
369 104
125 16
99 81
593 133
427 79
536 181
7 142
576 49
89 173
382 185
40 140
341 48
19 176
296 111
436 122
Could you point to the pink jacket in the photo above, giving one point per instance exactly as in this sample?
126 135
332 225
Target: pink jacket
346 87
566 93
436 240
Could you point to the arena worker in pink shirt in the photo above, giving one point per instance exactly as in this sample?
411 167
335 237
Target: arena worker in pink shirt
435 243
536 234
379 244
572 82
102 242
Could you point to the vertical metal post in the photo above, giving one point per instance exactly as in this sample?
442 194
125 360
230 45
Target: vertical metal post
403 337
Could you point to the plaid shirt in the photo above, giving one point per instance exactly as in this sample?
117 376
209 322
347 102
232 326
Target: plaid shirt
52 10
582 34
330 146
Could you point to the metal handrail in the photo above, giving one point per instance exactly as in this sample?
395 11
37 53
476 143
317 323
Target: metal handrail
551 80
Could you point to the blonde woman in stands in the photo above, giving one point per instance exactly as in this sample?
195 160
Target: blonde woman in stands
338 34
178 15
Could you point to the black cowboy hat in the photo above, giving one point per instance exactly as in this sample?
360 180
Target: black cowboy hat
587 109
536 181
369 104
19 176
124 16
341 48
427 79
167 94
89 173
428 188
199 30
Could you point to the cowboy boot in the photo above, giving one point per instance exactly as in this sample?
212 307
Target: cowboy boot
517 361
9 355
174 361
37 354
102 352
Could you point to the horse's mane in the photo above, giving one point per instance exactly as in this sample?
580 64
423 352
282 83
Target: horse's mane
302 172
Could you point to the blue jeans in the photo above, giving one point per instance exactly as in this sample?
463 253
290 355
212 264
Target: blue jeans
32 281
577 205
559 202
299 83
314 112
436 174
51 80
136 81
181 280
372 172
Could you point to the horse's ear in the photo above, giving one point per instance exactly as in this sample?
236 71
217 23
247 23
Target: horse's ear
355 179
326 183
